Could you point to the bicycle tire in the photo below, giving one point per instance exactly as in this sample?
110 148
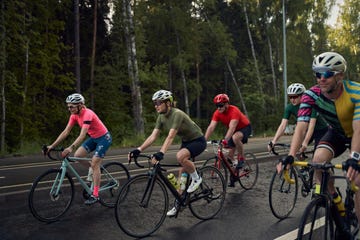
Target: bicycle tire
43 205
215 162
207 201
118 171
249 173
133 218
316 221
283 195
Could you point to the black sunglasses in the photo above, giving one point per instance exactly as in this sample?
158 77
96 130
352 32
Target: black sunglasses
220 105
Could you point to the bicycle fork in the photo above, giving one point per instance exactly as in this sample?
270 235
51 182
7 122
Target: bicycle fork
55 190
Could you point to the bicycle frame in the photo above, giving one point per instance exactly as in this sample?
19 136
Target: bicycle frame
66 166
157 172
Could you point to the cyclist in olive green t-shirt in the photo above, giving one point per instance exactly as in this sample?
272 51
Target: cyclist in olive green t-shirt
176 122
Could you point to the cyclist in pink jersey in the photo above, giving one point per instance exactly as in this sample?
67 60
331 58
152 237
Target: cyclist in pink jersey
237 124
99 141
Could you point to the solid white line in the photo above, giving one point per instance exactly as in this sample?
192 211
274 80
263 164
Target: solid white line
293 234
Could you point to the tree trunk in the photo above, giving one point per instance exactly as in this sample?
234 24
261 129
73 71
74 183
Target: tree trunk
77 45
2 76
133 67
272 70
93 55
254 57
237 87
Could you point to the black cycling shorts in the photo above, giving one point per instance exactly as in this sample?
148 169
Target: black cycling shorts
334 141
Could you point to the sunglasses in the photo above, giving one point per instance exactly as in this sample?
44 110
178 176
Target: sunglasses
71 107
327 74
220 105
158 103
294 97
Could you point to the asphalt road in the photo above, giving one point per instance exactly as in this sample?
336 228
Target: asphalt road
245 215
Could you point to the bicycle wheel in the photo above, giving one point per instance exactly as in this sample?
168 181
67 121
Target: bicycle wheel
249 173
282 194
45 205
113 174
216 162
207 201
316 222
140 210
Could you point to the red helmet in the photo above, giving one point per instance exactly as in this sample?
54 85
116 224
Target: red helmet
221 98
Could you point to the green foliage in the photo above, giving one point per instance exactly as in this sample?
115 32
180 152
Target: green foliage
172 37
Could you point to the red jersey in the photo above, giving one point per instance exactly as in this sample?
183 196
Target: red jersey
88 119
231 113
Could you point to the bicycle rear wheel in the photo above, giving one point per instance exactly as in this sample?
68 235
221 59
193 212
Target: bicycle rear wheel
140 210
316 222
45 205
282 194
113 175
216 162
207 201
249 173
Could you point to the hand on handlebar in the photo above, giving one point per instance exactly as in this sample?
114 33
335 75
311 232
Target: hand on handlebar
352 167
284 162
270 147
133 154
224 142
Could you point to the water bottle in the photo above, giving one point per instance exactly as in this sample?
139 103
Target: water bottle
183 181
339 203
173 180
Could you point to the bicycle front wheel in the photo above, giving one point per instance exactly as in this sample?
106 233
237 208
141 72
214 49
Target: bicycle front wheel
114 175
249 173
316 222
217 163
282 194
140 208
208 200
46 203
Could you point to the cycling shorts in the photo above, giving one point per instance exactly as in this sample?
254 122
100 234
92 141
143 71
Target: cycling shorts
246 131
100 145
335 142
195 147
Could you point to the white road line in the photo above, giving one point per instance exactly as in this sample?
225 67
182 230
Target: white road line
293 234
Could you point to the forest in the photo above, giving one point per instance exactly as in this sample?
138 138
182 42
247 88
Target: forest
117 53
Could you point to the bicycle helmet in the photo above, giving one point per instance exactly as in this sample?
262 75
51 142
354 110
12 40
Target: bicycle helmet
329 61
162 95
296 89
221 98
75 98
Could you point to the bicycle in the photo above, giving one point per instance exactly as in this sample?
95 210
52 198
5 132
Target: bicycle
143 202
283 192
321 218
52 193
247 176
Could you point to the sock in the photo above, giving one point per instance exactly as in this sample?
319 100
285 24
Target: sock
194 175
241 158
96 191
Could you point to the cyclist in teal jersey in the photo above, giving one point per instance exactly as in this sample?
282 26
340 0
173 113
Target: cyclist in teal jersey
176 122
99 139
338 102
317 127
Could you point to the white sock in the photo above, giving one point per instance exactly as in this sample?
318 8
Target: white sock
194 175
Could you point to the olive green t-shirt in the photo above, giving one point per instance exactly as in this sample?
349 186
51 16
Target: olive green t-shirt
176 119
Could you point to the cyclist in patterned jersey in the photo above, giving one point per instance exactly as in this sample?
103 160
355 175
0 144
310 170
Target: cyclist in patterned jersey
338 102
238 128
175 122
99 141
317 126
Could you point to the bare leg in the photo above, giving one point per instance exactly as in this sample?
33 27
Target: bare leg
322 155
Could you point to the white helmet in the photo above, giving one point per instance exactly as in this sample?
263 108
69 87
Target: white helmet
296 89
329 61
75 98
162 95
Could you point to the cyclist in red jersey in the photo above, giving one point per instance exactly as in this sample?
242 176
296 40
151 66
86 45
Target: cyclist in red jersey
99 141
237 124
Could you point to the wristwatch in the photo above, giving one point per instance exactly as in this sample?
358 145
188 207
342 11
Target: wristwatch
355 155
